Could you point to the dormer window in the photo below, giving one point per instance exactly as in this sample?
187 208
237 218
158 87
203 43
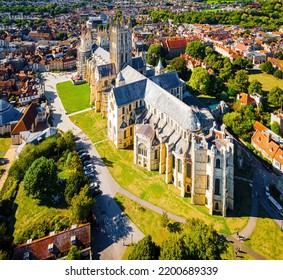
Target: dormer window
74 240
50 248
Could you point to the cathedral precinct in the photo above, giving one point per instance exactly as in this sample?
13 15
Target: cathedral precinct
145 110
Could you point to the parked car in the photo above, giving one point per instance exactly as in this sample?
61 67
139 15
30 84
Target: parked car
96 192
86 162
88 171
94 185
3 161
85 157
90 175
82 151
88 166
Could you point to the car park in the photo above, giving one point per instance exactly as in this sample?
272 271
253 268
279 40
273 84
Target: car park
90 176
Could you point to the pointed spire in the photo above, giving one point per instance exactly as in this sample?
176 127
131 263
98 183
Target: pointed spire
120 80
159 69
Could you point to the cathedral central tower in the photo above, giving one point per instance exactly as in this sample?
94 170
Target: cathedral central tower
121 43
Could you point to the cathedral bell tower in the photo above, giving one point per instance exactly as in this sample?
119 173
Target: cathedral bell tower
84 51
121 43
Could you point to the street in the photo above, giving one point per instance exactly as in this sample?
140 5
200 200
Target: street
115 230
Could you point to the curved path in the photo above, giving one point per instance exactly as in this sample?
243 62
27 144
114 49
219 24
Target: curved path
115 230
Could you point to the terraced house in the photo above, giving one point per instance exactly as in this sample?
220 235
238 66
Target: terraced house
147 112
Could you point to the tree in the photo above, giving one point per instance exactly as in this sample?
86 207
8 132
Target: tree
74 184
154 53
267 67
226 71
241 121
240 83
200 80
180 65
164 219
74 254
145 249
41 178
81 206
197 241
275 96
242 63
275 127
173 248
255 87
196 49
278 74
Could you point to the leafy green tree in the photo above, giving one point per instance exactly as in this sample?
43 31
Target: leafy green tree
164 219
267 67
200 80
81 206
75 182
154 53
196 49
226 71
242 63
41 178
241 122
255 87
275 127
173 248
145 249
180 65
275 96
278 74
197 241
240 83
74 254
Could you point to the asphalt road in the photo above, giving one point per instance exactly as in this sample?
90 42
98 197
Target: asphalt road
115 230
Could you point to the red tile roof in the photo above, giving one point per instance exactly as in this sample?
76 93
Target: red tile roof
27 120
38 249
246 99
177 44
259 126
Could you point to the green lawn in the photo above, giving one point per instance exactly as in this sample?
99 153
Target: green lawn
268 81
149 186
31 212
5 143
267 238
74 97
149 222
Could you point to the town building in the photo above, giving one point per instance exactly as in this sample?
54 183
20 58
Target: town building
56 245
167 135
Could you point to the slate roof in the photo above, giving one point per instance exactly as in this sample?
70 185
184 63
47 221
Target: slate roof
146 130
8 113
106 70
167 80
172 106
137 63
129 93
101 53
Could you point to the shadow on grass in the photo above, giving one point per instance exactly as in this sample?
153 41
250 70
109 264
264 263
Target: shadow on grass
107 162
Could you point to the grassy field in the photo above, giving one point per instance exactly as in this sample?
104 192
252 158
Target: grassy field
149 186
74 97
29 210
268 81
5 143
149 223
267 238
